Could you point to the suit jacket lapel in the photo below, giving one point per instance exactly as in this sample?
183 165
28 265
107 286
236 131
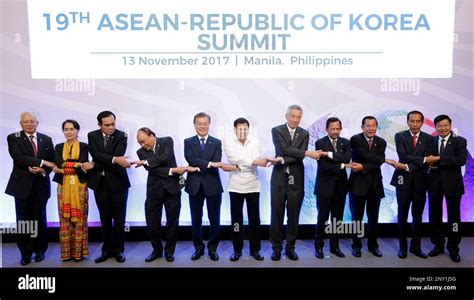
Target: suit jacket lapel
110 142
157 147
436 145
40 144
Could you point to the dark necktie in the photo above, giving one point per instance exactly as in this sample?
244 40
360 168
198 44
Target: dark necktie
203 143
106 140
441 148
370 144
33 145
334 145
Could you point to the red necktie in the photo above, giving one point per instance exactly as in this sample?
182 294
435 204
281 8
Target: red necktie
414 141
33 144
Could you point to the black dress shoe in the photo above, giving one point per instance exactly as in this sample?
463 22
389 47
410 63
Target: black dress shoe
120 258
276 255
197 254
235 256
455 257
338 252
436 251
291 254
376 252
356 252
319 253
169 257
39 257
419 253
25 261
402 254
103 257
154 255
257 256
213 255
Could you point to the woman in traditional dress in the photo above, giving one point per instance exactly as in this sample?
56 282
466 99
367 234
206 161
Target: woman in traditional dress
72 165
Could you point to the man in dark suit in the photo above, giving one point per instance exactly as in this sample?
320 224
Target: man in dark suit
32 153
287 182
110 183
331 185
163 188
445 179
366 187
204 152
409 180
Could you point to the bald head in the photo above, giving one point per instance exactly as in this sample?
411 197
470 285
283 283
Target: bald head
28 122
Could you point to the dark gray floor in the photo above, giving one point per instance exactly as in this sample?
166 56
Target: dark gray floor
137 251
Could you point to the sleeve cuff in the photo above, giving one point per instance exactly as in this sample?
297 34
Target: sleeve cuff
113 160
170 173
209 164
330 154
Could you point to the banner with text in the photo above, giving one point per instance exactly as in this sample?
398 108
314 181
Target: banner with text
241 39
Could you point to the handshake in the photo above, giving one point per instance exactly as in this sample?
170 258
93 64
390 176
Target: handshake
84 166
264 162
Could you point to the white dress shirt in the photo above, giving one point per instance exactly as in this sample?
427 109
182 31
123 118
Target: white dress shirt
446 138
244 180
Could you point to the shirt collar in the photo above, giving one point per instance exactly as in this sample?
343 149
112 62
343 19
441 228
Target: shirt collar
445 138
289 128
205 137
367 138
35 134
417 135
248 140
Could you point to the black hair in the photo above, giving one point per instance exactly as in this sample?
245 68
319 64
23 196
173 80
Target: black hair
74 123
104 114
241 121
413 112
331 120
441 118
369 118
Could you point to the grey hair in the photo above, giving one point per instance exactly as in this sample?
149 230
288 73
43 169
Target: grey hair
294 106
23 114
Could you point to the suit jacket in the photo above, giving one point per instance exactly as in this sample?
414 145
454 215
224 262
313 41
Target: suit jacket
58 160
448 176
329 170
21 180
415 178
208 177
115 176
371 176
159 163
292 153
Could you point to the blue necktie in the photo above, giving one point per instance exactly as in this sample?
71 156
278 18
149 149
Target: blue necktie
203 143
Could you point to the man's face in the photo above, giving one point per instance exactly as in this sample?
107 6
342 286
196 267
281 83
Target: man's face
414 123
108 125
241 131
201 126
147 142
443 128
29 123
294 118
369 128
334 130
